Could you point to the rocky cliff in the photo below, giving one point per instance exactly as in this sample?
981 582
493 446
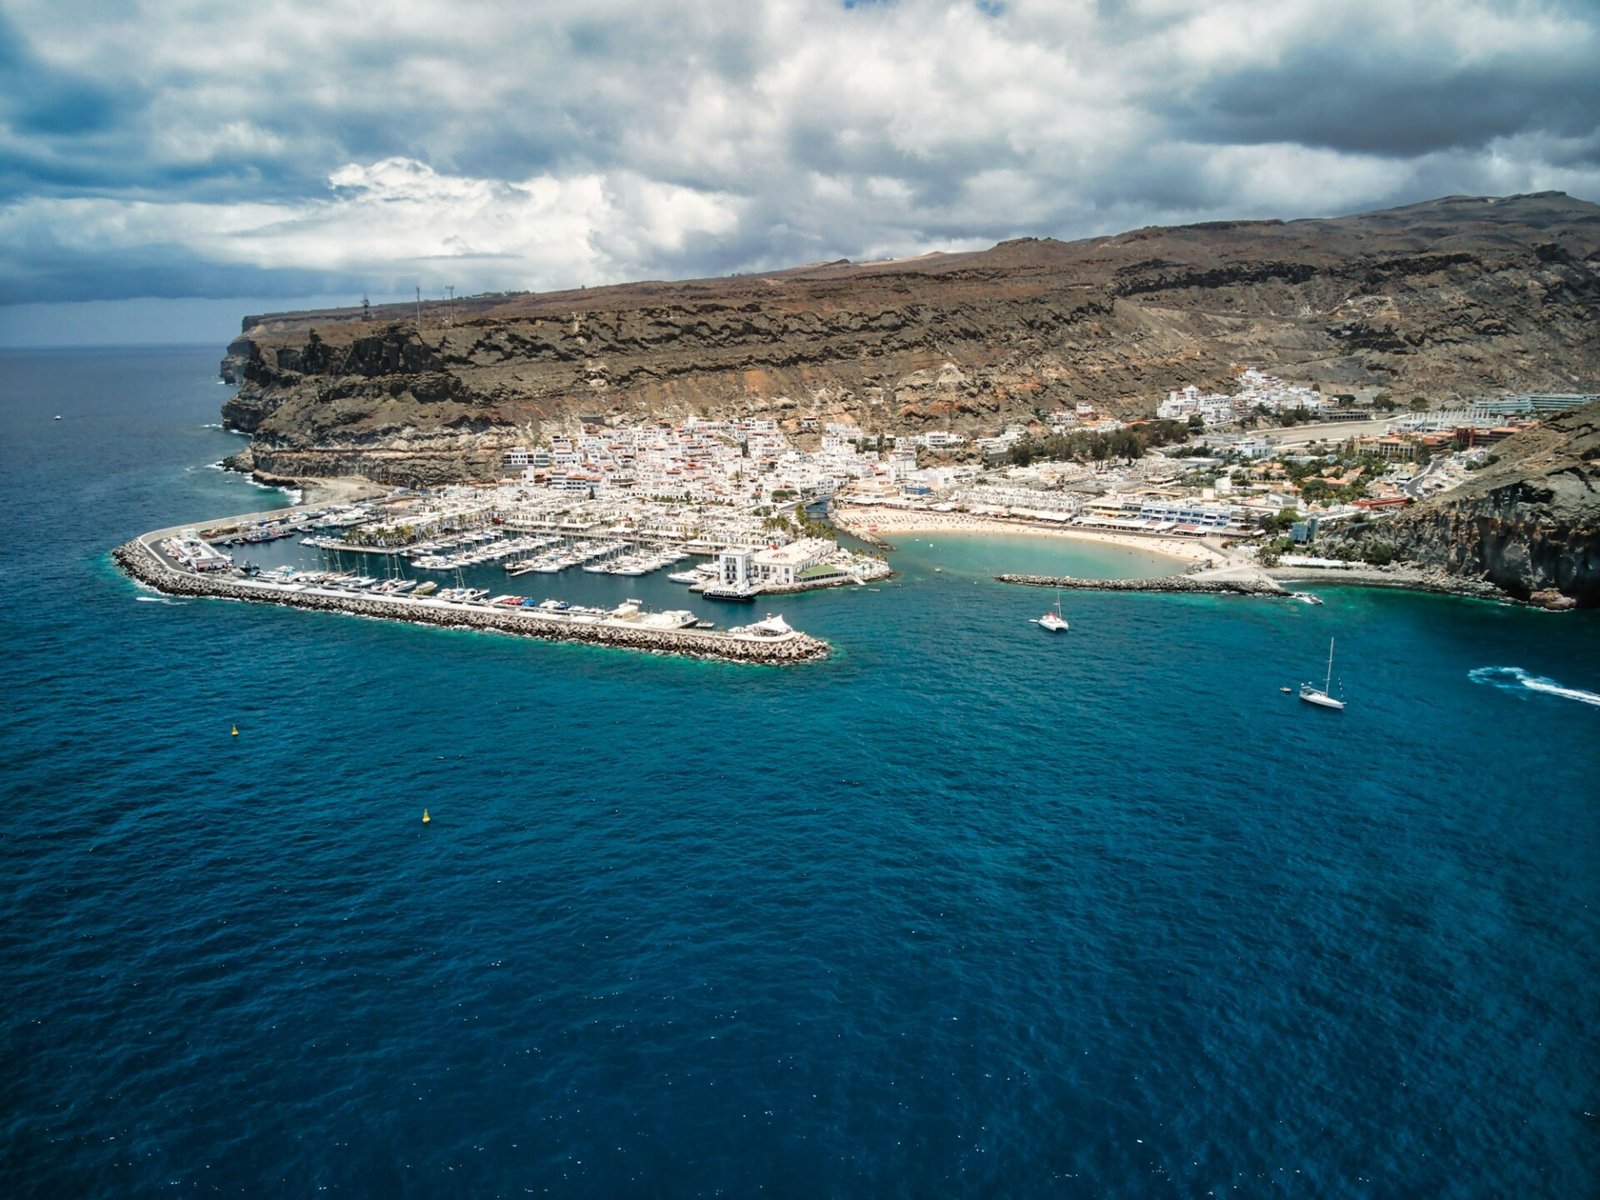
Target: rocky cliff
1529 522
1457 295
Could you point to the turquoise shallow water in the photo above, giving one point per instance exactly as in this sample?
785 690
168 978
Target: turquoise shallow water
966 910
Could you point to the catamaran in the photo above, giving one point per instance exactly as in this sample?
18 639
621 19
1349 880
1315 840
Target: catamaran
1312 694
1053 620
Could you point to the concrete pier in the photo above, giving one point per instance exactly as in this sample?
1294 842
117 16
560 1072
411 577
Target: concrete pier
141 561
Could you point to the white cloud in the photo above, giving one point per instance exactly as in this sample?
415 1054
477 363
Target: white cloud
1298 179
400 217
506 145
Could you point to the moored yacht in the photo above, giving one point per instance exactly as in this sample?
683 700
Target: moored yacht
1322 696
1052 620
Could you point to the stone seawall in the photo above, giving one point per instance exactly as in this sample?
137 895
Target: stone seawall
141 563
1162 583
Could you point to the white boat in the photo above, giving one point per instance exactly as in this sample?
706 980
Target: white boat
1323 696
770 628
1053 620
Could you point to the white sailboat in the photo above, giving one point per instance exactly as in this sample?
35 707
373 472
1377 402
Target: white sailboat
1323 696
1052 620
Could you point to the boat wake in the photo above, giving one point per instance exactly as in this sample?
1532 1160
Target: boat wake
160 600
1512 678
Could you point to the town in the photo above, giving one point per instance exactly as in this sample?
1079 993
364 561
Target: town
1212 472
631 499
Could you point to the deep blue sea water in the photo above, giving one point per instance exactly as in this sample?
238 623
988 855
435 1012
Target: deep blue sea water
967 910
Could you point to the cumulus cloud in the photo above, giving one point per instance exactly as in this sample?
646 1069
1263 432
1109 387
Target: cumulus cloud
288 147
386 224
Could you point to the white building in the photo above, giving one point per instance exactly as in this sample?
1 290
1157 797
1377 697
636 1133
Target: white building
734 567
781 566
1211 407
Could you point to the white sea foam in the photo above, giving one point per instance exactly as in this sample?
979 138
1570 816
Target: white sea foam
1513 678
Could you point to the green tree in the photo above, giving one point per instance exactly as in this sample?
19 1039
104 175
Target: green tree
1281 521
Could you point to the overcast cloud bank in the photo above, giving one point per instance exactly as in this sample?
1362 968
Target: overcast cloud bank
285 149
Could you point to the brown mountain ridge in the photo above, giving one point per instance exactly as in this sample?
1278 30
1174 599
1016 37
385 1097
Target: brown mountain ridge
1463 295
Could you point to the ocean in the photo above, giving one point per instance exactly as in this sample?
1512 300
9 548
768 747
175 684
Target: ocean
968 909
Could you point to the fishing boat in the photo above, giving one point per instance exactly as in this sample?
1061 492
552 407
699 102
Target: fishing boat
1322 696
1052 620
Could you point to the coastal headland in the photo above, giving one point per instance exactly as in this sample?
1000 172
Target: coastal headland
141 561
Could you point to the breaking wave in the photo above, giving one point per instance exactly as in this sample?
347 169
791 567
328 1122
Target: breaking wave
1512 678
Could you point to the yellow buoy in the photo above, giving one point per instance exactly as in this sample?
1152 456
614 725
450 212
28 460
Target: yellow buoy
425 817
235 731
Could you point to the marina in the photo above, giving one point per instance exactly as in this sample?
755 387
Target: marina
167 562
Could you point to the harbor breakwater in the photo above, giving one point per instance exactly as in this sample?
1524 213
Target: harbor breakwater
141 563
1251 586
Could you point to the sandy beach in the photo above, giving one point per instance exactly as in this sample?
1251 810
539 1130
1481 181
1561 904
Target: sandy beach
879 524
337 490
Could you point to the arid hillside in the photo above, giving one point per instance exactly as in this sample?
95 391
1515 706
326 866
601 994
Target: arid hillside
1461 295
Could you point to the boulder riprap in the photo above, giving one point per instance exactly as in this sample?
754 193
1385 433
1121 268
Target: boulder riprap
1253 586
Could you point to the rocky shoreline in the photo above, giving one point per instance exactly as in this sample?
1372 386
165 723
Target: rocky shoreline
1405 577
139 562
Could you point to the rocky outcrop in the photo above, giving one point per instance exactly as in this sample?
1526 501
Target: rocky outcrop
1529 522
1458 295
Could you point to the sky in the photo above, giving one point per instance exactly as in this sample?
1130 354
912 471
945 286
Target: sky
169 166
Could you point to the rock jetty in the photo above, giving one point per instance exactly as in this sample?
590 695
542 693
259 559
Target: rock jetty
1252 586
140 562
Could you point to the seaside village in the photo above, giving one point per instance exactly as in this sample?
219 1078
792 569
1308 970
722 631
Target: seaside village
635 499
